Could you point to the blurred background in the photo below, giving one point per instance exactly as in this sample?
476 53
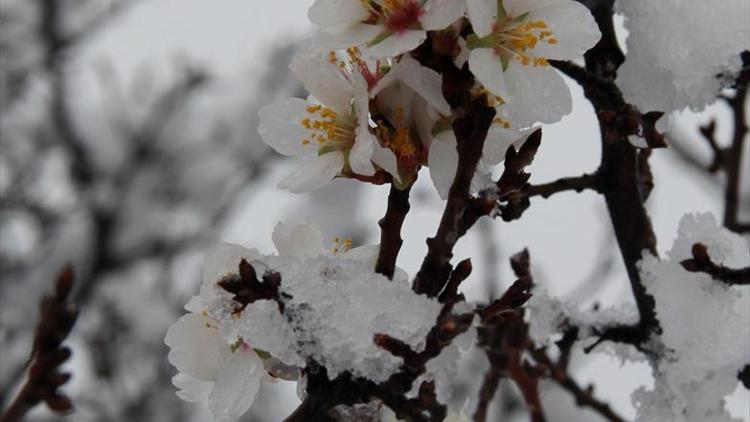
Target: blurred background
129 148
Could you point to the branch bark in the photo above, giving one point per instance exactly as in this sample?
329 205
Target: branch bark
390 230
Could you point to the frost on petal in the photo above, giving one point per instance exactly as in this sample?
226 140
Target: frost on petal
262 326
671 65
397 43
702 361
301 240
367 254
443 161
321 79
196 349
538 94
315 173
483 15
347 37
336 13
225 259
572 25
192 389
236 386
281 126
438 14
486 66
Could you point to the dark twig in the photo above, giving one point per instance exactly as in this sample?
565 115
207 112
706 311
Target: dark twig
701 262
390 230
56 319
733 162
577 184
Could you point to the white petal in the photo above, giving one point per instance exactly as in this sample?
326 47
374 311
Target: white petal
425 82
572 25
321 79
314 173
386 159
236 386
194 305
192 389
281 126
196 349
336 13
366 254
360 156
305 240
424 120
443 161
398 43
395 102
486 66
347 37
497 143
463 53
538 94
438 14
225 259
483 15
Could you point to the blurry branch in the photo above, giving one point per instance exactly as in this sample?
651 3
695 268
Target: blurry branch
577 184
390 230
57 316
701 262
733 158
504 337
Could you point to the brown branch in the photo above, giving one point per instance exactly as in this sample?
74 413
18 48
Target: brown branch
472 120
583 396
577 184
623 169
390 230
56 319
701 262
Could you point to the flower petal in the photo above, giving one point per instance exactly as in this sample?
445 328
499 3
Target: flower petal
321 79
360 156
483 15
427 83
347 37
225 259
538 94
196 349
386 159
443 161
572 24
304 240
486 66
438 14
497 143
236 386
281 126
315 173
367 254
192 389
398 43
336 13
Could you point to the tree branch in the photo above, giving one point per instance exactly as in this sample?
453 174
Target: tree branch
733 162
577 184
56 319
701 262
390 230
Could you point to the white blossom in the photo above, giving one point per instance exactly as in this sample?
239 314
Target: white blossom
387 27
512 43
334 134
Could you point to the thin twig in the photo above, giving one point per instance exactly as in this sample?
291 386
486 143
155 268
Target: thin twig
733 163
577 184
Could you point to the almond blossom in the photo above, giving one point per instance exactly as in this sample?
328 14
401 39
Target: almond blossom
387 27
512 44
333 133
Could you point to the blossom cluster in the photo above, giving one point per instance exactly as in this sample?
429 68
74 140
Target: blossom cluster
375 113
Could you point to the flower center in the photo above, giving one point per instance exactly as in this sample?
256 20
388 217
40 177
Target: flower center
513 39
353 62
328 129
341 245
396 15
